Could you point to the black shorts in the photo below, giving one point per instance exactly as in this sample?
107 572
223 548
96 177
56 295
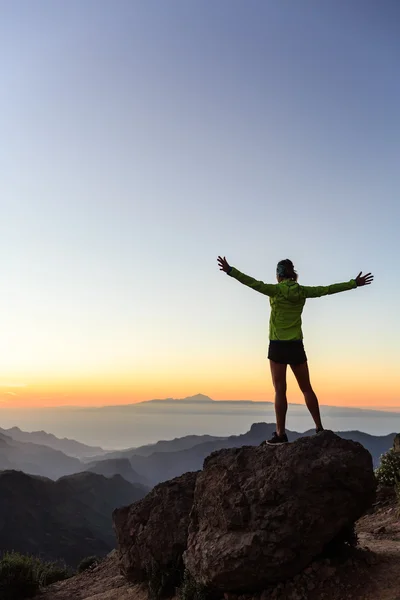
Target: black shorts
287 353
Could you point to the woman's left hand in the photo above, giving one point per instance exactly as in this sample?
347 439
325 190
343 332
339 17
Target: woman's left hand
364 279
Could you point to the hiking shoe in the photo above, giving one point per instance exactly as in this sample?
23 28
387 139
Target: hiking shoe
277 440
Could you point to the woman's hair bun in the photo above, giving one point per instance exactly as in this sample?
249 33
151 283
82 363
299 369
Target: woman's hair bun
285 269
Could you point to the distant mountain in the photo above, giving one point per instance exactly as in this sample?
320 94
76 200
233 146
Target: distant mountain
375 444
198 398
69 447
36 459
117 466
67 519
183 443
163 465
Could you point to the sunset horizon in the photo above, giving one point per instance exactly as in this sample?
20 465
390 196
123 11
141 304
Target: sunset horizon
195 132
31 397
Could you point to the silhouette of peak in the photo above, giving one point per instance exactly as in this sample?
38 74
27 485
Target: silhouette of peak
259 428
198 398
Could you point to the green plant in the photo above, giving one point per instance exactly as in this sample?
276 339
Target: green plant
22 576
51 573
88 562
388 473
190 589
18 577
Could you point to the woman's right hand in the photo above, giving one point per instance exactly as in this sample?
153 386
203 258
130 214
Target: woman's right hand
223 264
364 279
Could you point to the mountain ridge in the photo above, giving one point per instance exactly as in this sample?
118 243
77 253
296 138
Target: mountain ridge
68 446
152 463
161 466
66 519
36 459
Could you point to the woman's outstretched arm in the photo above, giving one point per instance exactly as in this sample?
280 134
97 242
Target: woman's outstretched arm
320 290
268 289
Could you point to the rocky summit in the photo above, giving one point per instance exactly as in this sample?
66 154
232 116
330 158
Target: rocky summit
262 514
253 516
152 533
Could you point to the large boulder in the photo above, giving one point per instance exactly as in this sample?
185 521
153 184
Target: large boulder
152 533
261 514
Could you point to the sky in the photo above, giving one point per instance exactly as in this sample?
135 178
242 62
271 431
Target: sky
142 139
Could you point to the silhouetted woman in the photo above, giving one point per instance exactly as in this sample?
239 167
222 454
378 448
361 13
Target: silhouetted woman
287 299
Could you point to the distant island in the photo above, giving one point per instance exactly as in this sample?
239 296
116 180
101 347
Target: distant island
201 399
196 398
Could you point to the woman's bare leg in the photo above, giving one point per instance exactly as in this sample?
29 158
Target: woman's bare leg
278 373
303 379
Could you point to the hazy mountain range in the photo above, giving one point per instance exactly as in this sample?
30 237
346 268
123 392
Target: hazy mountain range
67 519
147 464
36 458
70 447
118 427
60 506
173 461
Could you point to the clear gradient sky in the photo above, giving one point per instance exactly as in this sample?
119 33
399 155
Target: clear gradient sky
142 138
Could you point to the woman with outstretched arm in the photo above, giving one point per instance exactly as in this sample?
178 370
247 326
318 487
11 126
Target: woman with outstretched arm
287 299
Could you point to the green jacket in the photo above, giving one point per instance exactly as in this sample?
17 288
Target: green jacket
287 300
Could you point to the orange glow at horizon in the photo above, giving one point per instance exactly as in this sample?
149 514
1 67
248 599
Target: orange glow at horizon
350 389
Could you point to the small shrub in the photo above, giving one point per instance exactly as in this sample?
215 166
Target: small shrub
22 576
88 562
19 576
190 589
388 473
52 572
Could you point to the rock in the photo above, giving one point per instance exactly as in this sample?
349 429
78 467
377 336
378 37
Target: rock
310 586
326 572
153 531
371 559
379 530
385 494
296 595
262 514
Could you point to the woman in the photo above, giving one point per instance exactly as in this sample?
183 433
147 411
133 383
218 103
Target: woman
287 299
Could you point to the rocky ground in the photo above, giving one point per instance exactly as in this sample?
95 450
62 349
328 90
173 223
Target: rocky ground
370 573
103 582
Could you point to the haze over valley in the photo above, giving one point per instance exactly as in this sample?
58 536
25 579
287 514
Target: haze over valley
116 427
